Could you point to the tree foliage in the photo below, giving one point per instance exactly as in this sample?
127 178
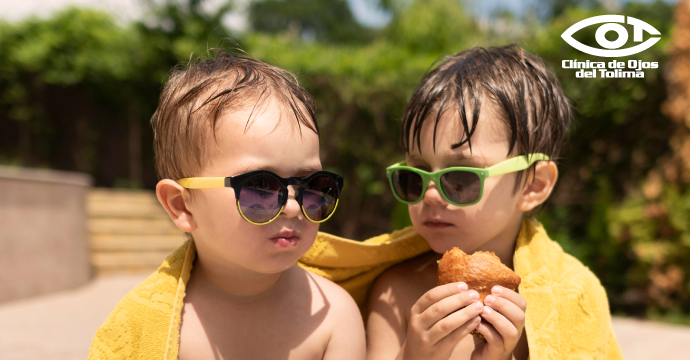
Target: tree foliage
77 91
322 20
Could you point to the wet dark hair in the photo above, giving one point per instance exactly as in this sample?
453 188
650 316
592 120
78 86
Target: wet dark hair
527 96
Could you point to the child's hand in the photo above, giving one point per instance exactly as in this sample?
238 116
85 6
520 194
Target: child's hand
505 311
439 319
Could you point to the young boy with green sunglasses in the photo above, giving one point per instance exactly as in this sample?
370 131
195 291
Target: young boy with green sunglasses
481 133
237 152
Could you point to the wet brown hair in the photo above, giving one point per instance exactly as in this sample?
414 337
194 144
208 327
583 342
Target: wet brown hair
527 96
197 93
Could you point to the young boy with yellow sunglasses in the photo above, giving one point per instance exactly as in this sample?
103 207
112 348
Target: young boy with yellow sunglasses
237 152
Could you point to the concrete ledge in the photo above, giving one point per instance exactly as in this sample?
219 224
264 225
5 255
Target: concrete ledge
46 176
44 237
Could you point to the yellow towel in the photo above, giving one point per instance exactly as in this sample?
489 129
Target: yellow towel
567 310
567 315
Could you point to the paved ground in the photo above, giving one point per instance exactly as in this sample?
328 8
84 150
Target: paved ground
60 326
650 340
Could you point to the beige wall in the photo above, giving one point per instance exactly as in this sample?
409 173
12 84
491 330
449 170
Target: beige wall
43 231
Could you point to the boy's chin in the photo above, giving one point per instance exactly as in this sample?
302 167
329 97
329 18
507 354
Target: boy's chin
441 248
441 244
274 266
276 263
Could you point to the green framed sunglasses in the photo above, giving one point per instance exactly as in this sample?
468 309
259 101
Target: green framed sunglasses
460 186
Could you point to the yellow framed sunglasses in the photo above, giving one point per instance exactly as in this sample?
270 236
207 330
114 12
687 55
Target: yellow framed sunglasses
261 194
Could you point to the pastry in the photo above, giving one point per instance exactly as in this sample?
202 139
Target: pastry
480 271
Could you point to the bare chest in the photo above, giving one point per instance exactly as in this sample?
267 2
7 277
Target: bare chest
252 331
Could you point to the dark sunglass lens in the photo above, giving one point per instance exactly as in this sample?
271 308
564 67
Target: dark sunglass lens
261 198
462 187
319 198
407 184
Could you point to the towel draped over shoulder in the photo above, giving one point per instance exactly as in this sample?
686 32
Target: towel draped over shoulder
567 314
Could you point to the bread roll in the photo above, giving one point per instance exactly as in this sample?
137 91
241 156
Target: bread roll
480 271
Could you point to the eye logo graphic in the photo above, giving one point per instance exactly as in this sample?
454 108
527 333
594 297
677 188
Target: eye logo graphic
612 23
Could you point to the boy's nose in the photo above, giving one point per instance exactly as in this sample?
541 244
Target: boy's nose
433 196
291 208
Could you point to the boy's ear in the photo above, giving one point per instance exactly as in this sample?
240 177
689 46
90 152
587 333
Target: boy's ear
540 183
172 196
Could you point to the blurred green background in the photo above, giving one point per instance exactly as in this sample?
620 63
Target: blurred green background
78 88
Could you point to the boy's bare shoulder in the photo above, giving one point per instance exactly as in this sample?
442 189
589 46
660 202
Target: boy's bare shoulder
422 268
334 296
346 339
402 284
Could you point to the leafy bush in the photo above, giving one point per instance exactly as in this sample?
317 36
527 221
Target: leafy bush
77 91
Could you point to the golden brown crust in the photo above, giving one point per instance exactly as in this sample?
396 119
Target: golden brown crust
477 334
480 271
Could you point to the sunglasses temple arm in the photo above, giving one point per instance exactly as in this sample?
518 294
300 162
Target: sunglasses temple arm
515 164
202 182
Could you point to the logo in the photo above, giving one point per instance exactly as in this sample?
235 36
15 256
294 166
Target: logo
612 23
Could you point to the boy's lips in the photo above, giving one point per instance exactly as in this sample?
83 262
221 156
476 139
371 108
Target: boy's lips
436 224
286 238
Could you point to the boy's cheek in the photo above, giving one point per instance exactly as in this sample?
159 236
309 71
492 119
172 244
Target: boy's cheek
308 237
498 192
249 246
470 230
228 238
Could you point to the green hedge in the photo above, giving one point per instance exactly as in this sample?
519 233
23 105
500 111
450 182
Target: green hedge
77 91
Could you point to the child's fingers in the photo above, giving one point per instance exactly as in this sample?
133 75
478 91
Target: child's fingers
457 334
443 307
508 332
434 295
511 296
492 337
454 321
508 309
